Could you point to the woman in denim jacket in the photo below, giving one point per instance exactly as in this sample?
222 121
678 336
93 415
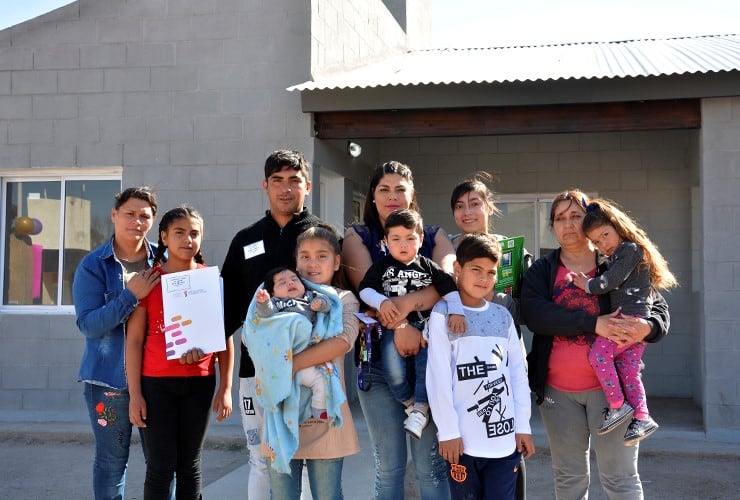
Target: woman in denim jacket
108 284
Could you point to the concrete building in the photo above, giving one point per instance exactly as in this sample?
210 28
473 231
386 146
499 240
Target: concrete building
190 96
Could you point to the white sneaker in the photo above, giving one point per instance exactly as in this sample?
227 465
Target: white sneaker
415 423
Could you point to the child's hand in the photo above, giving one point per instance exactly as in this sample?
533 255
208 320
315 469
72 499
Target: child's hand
137 411
262 296
456 323
316 304
525 445
192 356
388 312
579 280
222 404
451 449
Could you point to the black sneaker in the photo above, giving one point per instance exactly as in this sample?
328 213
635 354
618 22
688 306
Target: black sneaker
614 417
638 430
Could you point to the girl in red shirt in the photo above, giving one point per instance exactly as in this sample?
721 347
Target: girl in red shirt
170 399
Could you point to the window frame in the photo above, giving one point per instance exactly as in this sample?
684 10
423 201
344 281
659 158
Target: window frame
538 199
46 175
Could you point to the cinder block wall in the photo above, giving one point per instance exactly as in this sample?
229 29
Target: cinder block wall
185 95
647 172
347 34
39 363
720 323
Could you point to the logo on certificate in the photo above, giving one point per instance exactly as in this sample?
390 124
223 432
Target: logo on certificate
173 333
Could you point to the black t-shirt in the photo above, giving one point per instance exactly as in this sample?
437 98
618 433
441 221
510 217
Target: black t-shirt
392 278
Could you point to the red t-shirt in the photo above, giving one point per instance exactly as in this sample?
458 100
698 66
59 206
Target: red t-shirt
569 369
155 362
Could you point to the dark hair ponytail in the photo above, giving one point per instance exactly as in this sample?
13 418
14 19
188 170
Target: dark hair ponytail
161 249
181 212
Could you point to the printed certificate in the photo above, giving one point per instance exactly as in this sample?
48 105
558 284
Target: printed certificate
193 311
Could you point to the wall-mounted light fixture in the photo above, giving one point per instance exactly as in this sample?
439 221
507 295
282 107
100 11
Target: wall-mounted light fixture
354 149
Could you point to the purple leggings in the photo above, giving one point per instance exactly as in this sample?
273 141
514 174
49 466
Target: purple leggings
612 365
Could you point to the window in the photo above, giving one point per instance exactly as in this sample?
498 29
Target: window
528 215
48 225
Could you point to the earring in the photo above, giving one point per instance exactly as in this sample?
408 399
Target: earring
373 201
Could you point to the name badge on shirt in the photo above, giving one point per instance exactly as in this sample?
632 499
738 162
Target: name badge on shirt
254 249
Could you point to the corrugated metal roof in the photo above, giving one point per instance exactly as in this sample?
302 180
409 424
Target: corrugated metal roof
586 60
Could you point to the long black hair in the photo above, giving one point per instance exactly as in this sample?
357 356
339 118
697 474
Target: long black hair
181 212
370 213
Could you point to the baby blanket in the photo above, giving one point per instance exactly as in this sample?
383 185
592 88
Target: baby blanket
271 343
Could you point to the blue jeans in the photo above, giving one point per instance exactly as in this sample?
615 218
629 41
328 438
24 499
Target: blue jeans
396 370
108 411
324 477
384 417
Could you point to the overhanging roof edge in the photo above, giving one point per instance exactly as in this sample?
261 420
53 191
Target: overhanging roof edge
523 93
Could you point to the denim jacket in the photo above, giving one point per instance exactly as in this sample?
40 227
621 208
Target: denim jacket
103 304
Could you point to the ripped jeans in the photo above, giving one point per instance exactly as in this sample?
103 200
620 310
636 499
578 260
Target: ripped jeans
384 417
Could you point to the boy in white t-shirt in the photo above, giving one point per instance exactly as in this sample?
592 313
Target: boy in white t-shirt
477 382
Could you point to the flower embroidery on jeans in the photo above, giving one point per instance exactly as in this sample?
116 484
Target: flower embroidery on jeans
106 415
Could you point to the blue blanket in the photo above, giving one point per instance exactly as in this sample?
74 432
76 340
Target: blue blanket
271 343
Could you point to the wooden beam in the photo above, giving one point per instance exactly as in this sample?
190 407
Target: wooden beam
551 119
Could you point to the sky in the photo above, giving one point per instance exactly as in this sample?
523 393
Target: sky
13 12
493 23
522 22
